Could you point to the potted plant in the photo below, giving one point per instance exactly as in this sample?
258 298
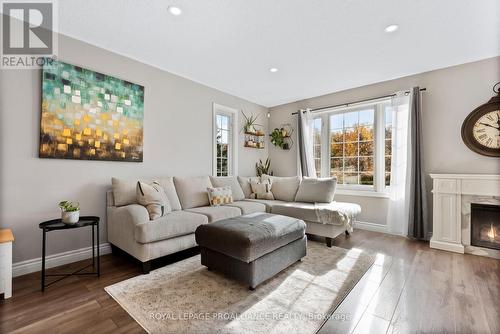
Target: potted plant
249 125
263 168
70 212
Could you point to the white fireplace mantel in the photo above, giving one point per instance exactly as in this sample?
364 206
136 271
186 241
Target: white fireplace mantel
452 196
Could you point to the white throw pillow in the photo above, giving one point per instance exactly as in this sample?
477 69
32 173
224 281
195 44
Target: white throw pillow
124 191
231 181
261 190
312 190
220 196
154 198
284 188
245 184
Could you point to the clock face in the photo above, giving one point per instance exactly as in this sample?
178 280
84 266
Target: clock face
486 130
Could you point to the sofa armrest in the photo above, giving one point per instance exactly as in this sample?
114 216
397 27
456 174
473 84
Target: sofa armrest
133 213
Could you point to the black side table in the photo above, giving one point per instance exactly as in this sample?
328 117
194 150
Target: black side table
57 224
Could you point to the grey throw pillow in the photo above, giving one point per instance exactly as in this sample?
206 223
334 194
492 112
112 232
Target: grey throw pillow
312 190
154 198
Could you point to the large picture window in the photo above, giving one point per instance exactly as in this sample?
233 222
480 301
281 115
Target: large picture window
355 146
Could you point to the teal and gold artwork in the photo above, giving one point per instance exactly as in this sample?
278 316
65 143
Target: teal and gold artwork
90 116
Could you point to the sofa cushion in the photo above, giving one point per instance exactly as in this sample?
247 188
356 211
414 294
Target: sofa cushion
247 207
231 181
167 183
192 191
268 203
154 198
312 190
304 211
245 184
283 188
124 191
174 224
249 237
215 213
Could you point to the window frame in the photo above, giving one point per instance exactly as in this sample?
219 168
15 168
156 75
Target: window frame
218 109
378 189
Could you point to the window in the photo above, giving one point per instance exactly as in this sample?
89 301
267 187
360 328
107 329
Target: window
225 141
355 146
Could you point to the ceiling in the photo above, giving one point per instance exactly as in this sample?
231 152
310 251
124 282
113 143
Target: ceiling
318 46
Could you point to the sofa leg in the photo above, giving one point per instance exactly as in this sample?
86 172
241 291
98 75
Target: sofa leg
328 241
347 233
114 249
251 288
146 267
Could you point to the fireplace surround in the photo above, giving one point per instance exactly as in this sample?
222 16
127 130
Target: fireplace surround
454 198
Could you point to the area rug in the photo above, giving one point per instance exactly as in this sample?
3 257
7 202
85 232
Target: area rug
185 297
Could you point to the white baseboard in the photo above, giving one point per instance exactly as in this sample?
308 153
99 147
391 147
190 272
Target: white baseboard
371 227
54 260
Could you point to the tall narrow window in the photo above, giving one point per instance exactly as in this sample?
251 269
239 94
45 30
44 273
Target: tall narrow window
225 141
389 127
317 145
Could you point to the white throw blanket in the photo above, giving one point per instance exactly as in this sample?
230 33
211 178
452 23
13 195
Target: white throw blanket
337 213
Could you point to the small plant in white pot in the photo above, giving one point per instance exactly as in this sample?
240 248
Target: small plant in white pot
70 212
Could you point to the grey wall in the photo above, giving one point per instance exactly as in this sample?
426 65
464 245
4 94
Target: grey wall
177 141
452 93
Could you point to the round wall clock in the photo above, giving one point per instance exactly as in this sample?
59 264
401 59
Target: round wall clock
481 129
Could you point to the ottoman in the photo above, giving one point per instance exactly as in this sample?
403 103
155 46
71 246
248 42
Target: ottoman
252 248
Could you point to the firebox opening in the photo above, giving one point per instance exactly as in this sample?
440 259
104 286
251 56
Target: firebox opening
485 225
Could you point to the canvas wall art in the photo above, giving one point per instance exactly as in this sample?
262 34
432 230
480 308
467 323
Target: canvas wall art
90 116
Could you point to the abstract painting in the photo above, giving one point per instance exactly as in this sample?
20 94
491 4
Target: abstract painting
87 115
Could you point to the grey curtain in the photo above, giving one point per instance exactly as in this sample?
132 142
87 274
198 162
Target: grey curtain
417 224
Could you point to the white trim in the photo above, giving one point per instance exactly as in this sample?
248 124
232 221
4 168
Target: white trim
447 246
364 193
371 227
466 176
59 259
221 109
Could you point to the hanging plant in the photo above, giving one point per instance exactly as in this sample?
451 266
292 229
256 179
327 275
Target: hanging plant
282 137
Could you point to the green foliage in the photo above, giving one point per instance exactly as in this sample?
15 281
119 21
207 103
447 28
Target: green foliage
263 168
277 138
249 121
67 206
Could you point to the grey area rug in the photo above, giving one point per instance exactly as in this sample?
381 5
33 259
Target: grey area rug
185 297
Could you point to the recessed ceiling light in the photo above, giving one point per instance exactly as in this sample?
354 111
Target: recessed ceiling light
273 70
175 10
391 28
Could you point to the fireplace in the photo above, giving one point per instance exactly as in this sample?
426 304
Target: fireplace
485 225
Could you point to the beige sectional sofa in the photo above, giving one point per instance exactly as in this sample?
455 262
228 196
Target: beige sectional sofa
131 230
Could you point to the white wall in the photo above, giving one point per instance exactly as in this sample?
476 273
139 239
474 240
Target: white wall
452 93
177 141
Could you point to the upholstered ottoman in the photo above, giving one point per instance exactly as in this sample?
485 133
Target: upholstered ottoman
252 248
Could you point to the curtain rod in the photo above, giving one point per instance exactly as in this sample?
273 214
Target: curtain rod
359 101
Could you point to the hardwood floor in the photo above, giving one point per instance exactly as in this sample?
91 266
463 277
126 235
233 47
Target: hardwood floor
410 289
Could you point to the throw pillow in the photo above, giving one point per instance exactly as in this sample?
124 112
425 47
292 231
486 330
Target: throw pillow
245 184
231 181
218 196
154 198
261 190
284 188
312 190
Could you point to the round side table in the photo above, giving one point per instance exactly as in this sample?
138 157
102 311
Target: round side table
56 225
